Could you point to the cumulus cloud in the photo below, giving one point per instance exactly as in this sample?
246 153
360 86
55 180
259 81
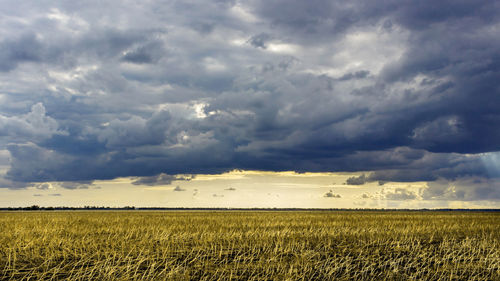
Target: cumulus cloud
405 90
35 125
330 194
178 188
359 180
43 186
401 194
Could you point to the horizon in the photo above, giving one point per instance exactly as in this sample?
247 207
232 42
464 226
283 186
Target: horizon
139 208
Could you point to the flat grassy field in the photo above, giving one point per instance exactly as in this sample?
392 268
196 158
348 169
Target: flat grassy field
231 245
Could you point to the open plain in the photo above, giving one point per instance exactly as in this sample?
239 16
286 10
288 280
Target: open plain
249 245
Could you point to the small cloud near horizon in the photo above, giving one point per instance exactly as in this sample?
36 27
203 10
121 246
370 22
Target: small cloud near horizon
330 194
178 188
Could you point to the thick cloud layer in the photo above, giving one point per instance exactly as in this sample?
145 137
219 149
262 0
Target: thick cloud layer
406 89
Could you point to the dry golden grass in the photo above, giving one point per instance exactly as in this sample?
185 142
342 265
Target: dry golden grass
145 245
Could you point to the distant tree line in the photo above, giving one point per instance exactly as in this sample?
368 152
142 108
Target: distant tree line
64 208
38 208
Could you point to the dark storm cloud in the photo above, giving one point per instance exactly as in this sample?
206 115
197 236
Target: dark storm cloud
356 75
149 53
64 50
260 40
322 17
25 48
5 183
408 91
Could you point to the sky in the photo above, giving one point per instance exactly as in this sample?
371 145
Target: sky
226 103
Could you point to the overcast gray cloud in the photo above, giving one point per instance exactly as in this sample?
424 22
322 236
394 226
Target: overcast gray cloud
98 90
466 189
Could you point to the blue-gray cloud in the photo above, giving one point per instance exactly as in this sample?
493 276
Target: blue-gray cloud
465 189
357 180
406 90
78 185
161 179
